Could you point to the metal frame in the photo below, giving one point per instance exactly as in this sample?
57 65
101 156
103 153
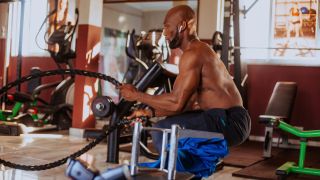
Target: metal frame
291 167
175 133
172 153
124 107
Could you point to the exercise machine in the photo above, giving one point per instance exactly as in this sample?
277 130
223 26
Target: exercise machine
59 108
123 108
167 170
155 76
293 167
56 113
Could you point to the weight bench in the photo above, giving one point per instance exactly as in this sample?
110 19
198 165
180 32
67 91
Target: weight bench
280 105
175 133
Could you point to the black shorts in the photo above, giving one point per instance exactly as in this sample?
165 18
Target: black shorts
234 123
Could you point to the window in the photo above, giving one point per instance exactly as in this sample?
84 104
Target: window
255 30
268 37
35 12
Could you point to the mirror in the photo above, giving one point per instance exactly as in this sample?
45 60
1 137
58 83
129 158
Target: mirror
146 19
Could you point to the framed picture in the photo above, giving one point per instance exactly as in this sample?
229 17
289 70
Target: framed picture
294 33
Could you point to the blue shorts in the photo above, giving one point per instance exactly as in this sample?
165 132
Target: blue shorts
234 123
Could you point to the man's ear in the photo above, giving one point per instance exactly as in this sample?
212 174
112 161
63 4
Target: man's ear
183 26
192 26
191 23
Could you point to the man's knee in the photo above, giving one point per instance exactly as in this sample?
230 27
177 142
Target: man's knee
162 124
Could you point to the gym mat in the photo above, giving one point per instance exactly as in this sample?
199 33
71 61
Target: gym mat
244 155
266 169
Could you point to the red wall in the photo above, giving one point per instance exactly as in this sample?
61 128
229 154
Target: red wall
88 37
44 63
261 81
2 56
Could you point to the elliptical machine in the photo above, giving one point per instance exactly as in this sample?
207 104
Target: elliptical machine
60 107
58 110
62 96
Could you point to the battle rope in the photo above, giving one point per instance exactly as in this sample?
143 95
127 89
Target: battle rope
88 146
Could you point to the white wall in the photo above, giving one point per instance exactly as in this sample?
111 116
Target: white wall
153 20
121 17
90 12
255 30
209 18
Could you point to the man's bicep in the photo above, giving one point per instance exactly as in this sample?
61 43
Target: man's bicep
190 70
188 79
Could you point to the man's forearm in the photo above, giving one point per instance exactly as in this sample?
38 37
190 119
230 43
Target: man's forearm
163 102
160 113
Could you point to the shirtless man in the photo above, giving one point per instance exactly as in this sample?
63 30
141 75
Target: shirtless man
203 77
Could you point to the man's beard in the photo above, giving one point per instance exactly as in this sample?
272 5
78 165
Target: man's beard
176 41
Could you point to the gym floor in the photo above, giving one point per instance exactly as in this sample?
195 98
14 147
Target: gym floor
44 148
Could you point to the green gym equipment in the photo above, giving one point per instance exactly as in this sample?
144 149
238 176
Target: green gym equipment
292 167
16 115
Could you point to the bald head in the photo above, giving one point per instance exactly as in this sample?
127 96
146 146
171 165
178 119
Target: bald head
179 26
181 13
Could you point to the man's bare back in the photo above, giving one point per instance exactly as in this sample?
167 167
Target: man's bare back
216 88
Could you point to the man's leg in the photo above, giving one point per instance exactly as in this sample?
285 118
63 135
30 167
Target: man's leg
188 120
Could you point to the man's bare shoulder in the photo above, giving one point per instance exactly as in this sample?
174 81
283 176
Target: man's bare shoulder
190 59
200 50
195 50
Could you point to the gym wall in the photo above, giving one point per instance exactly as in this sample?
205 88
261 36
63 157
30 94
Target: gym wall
2 56
44 63
153 19
3 31
261 81
210 16
121 17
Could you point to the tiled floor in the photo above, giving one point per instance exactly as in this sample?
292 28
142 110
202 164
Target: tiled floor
45 148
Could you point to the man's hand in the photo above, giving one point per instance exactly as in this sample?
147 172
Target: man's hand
128 92
140 113
135 116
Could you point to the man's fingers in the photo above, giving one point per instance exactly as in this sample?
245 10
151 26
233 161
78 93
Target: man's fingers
121 86
133 115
